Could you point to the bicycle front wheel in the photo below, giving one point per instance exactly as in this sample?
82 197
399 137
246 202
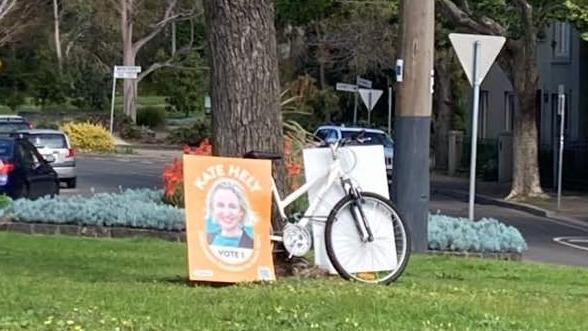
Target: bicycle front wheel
381 260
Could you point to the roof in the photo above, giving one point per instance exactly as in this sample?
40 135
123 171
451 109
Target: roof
12 118
347 128
40 131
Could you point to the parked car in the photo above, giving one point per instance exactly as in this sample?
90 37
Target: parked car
55 143
24 172
12 123
374 137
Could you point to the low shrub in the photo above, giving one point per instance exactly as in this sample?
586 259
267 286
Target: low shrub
130 208
192 135
152 117
89 137
173 175
486 235
129 130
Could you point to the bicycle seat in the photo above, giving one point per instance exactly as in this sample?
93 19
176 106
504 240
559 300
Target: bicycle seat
262 155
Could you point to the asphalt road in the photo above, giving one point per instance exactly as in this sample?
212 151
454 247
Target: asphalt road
111 173
539 232
97 173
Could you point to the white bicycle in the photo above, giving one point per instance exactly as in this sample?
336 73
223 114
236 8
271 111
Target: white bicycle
366 239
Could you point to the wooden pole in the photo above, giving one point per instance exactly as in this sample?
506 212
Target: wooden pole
412 124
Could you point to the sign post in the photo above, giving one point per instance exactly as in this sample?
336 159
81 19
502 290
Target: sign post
561 111
370 97
360 82
350 88
476 54
122 72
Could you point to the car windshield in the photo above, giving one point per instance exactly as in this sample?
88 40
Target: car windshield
5 148
48 140
8 127
375 138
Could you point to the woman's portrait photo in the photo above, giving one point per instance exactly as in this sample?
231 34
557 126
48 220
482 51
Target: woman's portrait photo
229 218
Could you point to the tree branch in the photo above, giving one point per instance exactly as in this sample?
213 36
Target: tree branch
6 6
483 25
171 62
527 16
166 20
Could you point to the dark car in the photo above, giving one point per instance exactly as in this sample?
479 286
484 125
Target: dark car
24 173
13 123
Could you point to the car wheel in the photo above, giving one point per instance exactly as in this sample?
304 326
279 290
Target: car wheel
56 190
25 192
71 183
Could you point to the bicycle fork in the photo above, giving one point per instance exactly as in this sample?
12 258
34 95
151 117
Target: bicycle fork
359 219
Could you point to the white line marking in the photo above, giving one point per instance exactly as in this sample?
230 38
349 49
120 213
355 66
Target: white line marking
561 240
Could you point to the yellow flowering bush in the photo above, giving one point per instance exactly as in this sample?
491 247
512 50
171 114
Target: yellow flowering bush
89 137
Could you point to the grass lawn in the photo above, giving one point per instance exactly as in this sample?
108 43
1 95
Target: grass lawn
70 283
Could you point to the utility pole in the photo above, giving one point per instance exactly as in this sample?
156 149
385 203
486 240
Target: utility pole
412 124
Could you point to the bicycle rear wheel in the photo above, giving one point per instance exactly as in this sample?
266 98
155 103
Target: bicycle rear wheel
379 261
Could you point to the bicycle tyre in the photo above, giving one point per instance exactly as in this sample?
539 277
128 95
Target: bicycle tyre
403 248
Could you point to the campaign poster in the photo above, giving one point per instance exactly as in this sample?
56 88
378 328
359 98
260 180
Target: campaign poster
228 219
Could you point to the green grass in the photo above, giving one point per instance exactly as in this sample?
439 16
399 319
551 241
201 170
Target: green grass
65 283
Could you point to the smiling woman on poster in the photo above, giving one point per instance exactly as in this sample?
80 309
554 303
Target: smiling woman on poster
229 218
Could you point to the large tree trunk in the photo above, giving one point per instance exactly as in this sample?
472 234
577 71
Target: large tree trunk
129 55
57 36
526 182
443 107
244 81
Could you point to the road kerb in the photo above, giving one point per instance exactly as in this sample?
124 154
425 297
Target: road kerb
534 210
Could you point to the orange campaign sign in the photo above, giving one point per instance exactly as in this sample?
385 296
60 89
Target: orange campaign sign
228 219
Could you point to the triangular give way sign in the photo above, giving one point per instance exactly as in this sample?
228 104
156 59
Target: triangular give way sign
488 49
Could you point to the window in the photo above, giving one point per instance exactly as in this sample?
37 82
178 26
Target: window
375 138
483 115
327 135
27 153
48 140
509 109
561 40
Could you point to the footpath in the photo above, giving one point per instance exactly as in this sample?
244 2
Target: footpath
573 208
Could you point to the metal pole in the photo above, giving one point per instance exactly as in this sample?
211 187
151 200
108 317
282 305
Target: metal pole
474 147
355 110
112 104
562 112
389 110
369 109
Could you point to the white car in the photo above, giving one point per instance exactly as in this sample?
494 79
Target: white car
331 133
56 144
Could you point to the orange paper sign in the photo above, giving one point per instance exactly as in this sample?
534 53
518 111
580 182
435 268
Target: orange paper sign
228 213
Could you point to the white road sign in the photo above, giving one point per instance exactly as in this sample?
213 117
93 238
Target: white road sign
363 82
489 48
126 72
476 54
346 87
370 97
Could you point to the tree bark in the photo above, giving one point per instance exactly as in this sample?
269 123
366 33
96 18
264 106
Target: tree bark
443 107
129 55
244 81
57 36
526 181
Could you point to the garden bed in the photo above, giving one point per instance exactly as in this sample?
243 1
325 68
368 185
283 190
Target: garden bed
143 213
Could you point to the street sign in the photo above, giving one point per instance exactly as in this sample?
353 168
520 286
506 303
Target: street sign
490 46
363 82
476 54
126 75
370 97
121 72
126 72
346 87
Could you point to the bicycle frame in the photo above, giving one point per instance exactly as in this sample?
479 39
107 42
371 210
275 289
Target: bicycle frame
335 172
